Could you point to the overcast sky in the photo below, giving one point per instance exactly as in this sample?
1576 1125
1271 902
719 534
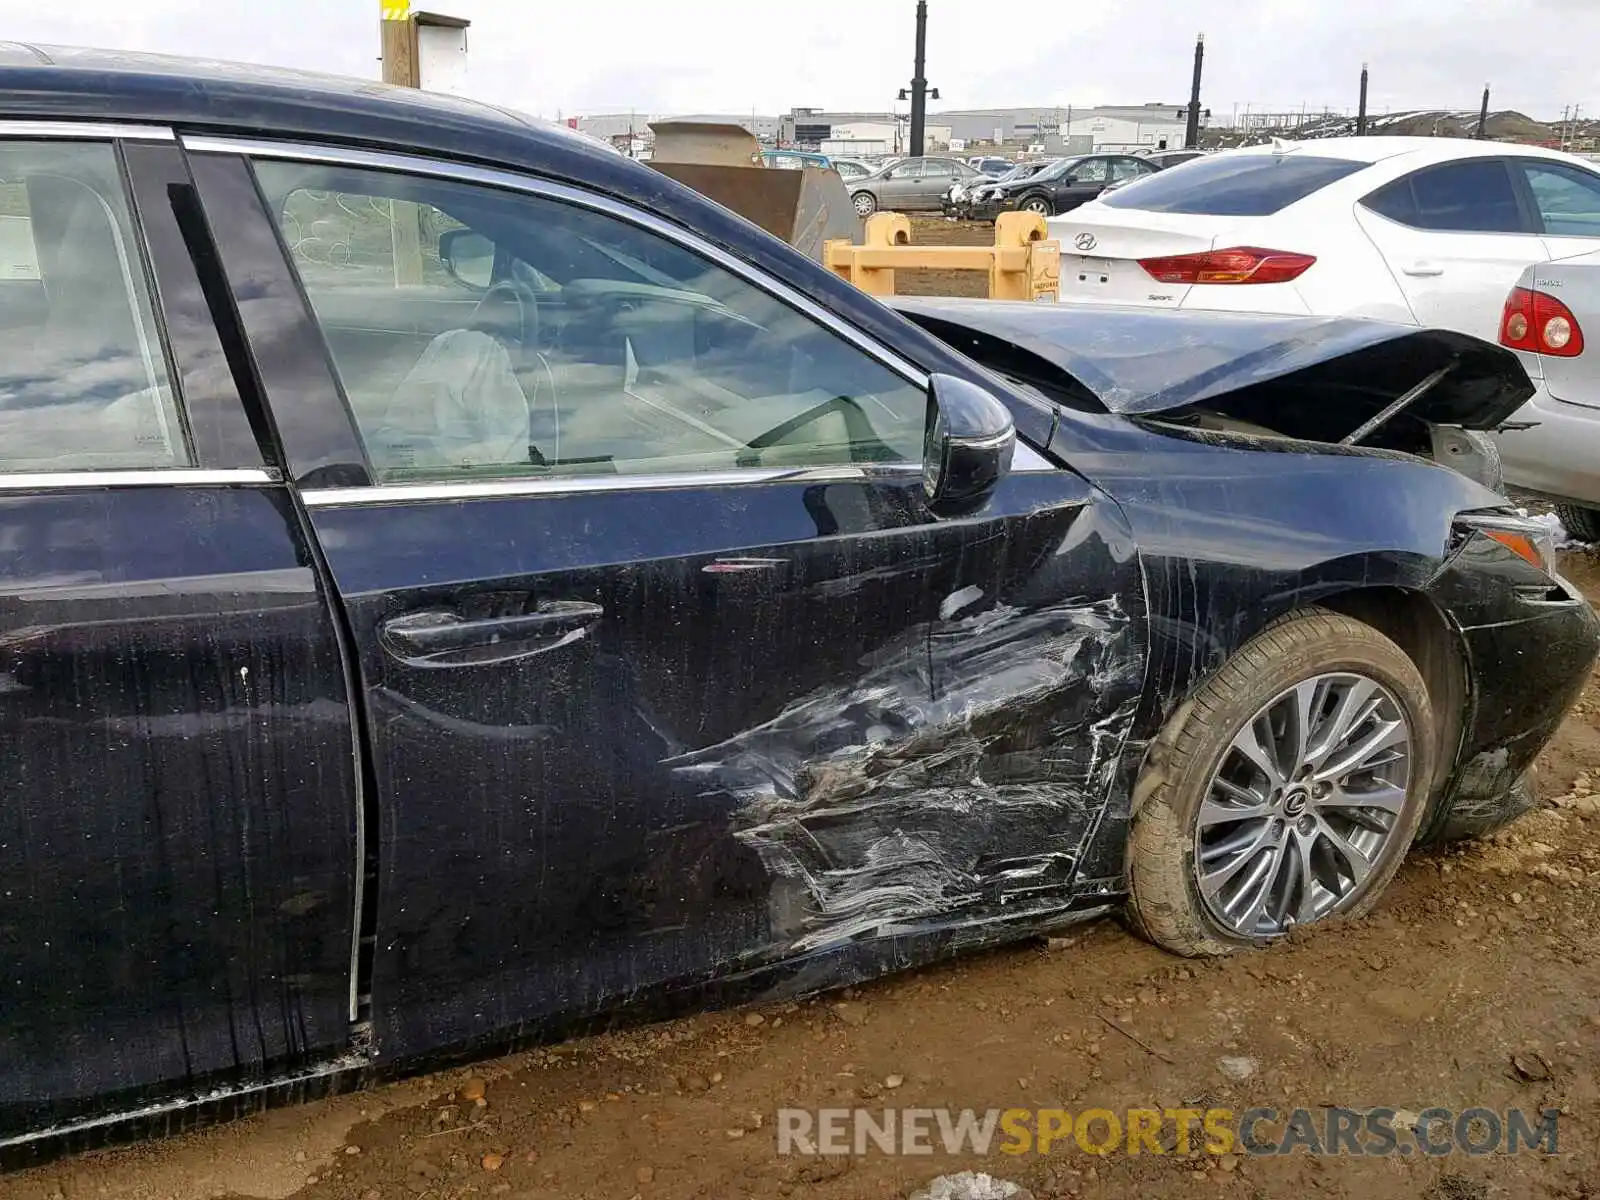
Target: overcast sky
680 56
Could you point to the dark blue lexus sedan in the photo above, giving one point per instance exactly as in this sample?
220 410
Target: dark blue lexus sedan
456 582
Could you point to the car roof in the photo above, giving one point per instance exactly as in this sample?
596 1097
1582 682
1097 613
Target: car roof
207 95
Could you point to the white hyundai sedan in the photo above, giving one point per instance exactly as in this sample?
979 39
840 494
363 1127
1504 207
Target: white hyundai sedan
1431 230
1436 231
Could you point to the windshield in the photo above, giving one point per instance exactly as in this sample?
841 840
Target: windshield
1056 169
1022 171
1233 185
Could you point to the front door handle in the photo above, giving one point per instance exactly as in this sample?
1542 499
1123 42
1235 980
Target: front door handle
1424 267
441 636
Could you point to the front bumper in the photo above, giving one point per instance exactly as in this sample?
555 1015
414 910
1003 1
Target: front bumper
1529 649
985 210
1560 455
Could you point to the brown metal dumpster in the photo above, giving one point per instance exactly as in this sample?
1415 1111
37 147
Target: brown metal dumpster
723 161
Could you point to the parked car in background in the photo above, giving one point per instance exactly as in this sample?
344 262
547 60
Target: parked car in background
1437 231
910 185
959 199
1430 230
1061 187
1161 160
457 583
854 168
1552 446
991 165
793 160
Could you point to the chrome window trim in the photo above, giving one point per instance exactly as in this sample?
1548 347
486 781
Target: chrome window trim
412 493
532 185
40 481
96 130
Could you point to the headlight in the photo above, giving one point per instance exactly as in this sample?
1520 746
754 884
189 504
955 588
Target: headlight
1527 537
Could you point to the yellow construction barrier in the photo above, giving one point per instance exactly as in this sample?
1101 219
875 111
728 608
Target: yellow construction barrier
1023 263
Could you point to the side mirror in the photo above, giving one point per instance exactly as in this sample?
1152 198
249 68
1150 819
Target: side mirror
468 256
968 446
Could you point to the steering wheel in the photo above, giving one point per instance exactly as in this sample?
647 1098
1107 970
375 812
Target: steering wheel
509 312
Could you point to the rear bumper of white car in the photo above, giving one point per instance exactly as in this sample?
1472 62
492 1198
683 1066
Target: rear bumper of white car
1560 455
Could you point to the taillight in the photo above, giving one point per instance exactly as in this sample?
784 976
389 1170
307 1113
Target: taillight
1242 264
1538 322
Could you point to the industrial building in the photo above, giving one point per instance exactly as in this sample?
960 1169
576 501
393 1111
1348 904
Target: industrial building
612 126
1063 129
1107 127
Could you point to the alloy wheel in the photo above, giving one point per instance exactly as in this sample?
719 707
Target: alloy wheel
1303 806
1038 204
865 205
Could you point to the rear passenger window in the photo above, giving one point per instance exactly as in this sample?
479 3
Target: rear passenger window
83 379
481 333
1568 199
1475 196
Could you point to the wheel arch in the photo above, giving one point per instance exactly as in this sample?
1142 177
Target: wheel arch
1419 627
1411 620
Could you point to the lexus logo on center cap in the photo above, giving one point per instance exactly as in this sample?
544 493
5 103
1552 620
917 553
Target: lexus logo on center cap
1085 241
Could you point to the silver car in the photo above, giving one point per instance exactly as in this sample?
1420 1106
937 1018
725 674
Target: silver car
854 168
910 185
1552 445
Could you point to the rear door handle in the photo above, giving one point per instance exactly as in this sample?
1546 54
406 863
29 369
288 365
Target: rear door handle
1423 266
441 636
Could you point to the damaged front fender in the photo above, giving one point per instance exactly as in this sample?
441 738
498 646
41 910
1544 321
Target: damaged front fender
952 784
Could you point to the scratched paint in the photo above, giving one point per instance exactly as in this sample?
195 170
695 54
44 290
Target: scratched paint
949 785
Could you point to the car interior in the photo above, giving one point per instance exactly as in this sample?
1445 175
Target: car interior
82 380
528 333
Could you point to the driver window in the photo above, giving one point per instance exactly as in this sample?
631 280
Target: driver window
480 333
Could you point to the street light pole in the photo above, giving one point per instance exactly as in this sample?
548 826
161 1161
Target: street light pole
919 84
1191 133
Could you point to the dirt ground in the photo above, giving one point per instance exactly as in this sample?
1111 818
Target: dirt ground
1475 983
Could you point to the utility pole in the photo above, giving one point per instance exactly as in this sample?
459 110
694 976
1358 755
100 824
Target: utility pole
1483 115
403 54
1191 133
1361 112
401 63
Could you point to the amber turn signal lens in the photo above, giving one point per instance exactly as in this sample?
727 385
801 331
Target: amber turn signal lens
1518 543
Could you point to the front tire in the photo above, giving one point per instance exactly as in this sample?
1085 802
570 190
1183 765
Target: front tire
865 204
1040 205
1285 791
1580 522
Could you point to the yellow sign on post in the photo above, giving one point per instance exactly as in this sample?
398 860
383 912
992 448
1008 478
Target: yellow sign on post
395 10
